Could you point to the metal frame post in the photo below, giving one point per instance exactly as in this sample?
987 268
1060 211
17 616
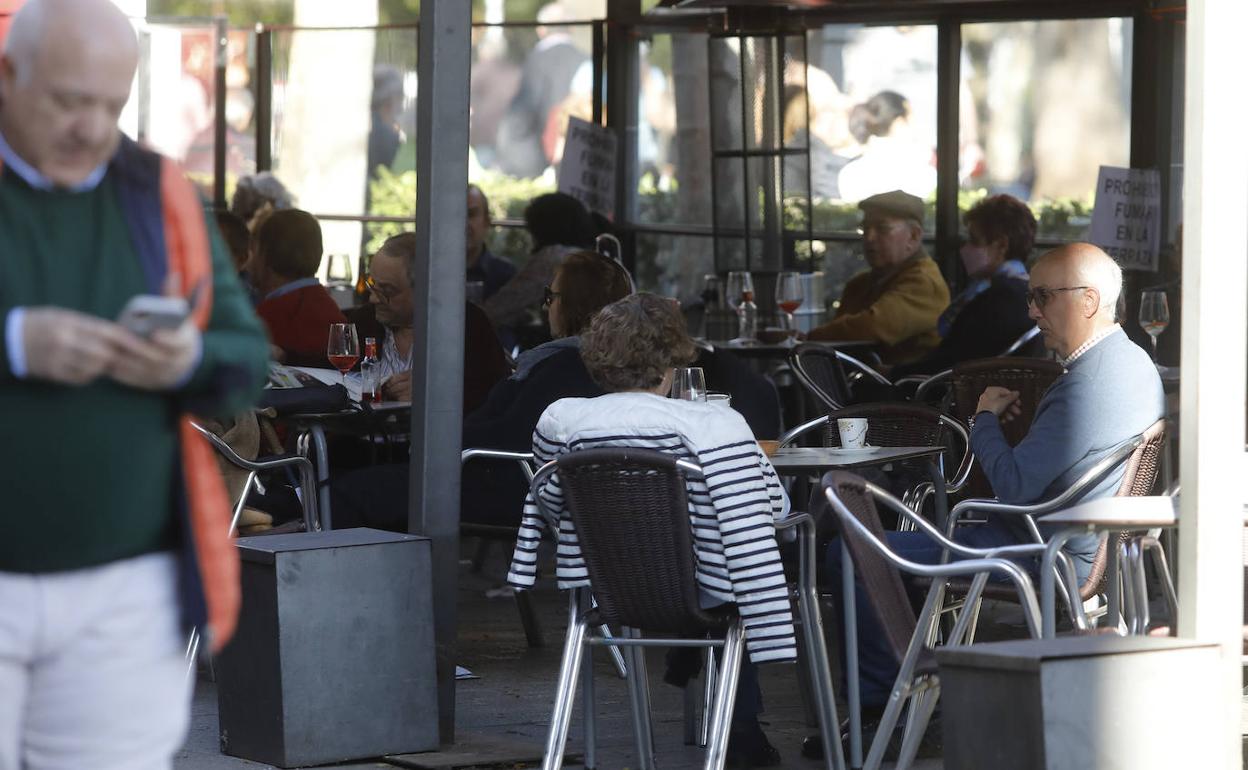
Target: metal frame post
438 359
264 99
948 96
221 29
1215 240
623 83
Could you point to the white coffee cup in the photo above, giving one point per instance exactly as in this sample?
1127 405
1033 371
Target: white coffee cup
719 399
853 432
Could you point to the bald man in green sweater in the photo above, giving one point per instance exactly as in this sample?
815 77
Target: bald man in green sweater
100 571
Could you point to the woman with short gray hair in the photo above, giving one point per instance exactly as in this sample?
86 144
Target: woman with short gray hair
629 350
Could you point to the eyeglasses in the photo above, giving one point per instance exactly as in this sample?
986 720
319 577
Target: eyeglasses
385 292
1041 295
548 296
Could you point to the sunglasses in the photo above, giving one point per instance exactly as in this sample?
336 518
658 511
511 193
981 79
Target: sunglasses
1040 295
548 296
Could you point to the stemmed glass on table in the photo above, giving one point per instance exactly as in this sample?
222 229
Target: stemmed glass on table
689 383
1154 315
343 349
339 271
789 296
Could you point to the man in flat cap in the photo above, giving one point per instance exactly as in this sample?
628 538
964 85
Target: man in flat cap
899 300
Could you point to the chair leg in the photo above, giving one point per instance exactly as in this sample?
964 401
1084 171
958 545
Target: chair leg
921 708
565 690
905 676
639 697
710 674
479 556
617 657
725 698
589 718
815 649
1153 546
528 618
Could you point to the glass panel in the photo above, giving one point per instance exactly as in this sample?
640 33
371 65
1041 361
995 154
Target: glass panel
673 265
673 132
173 105
872 108
363 159
1043 105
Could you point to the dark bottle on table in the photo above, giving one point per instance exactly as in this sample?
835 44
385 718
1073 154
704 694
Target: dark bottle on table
370 372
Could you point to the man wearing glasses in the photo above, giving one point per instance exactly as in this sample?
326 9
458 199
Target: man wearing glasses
1109 393
388 317
898 301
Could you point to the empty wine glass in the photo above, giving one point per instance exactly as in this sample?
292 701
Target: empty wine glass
789 296
343 349
339 271
740 288
689 383
1154 315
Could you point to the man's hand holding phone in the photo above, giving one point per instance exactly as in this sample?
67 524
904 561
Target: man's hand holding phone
161 344
153 345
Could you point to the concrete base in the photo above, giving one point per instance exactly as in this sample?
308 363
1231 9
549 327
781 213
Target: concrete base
479 750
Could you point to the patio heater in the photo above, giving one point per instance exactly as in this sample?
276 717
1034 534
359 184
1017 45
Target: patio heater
760 149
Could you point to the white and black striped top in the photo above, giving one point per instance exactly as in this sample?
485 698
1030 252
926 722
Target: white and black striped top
732 511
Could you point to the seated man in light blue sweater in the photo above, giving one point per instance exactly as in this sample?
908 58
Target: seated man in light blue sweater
1109 394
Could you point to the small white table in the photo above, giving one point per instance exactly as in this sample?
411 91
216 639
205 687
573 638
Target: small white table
1114 514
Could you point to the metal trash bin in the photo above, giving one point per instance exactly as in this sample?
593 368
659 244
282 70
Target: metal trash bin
1078 703
334 656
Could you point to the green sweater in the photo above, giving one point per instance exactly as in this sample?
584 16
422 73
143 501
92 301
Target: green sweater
89 472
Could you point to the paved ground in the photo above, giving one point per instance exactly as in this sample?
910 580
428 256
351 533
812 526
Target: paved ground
512 699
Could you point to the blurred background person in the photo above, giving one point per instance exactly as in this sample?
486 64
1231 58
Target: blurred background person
253 193
545 81
891 159
558 224
484 267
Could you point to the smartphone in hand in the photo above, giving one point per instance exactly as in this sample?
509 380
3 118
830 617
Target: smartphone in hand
145 313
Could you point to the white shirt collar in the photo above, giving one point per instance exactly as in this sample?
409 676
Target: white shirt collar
32 177
1089 344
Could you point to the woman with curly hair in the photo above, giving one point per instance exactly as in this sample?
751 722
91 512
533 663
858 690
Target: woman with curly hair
629 351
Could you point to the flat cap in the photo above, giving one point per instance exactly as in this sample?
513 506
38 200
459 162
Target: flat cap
896 203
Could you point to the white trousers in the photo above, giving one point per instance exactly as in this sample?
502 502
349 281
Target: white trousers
92 668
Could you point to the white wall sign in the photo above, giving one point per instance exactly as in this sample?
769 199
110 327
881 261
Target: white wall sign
587 171
1126 221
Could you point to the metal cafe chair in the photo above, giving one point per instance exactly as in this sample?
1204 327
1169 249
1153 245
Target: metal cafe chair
307 496
1140 455
865 552
630 511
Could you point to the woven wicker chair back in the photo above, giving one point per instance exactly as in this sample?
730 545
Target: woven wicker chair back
880 579
820 372
631 512
1031 377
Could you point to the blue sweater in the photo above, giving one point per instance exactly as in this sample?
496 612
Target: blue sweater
1108 395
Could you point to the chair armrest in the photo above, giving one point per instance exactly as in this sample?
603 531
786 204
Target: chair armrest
804 526
524 458
795 433
1091 477
862 367
940 378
